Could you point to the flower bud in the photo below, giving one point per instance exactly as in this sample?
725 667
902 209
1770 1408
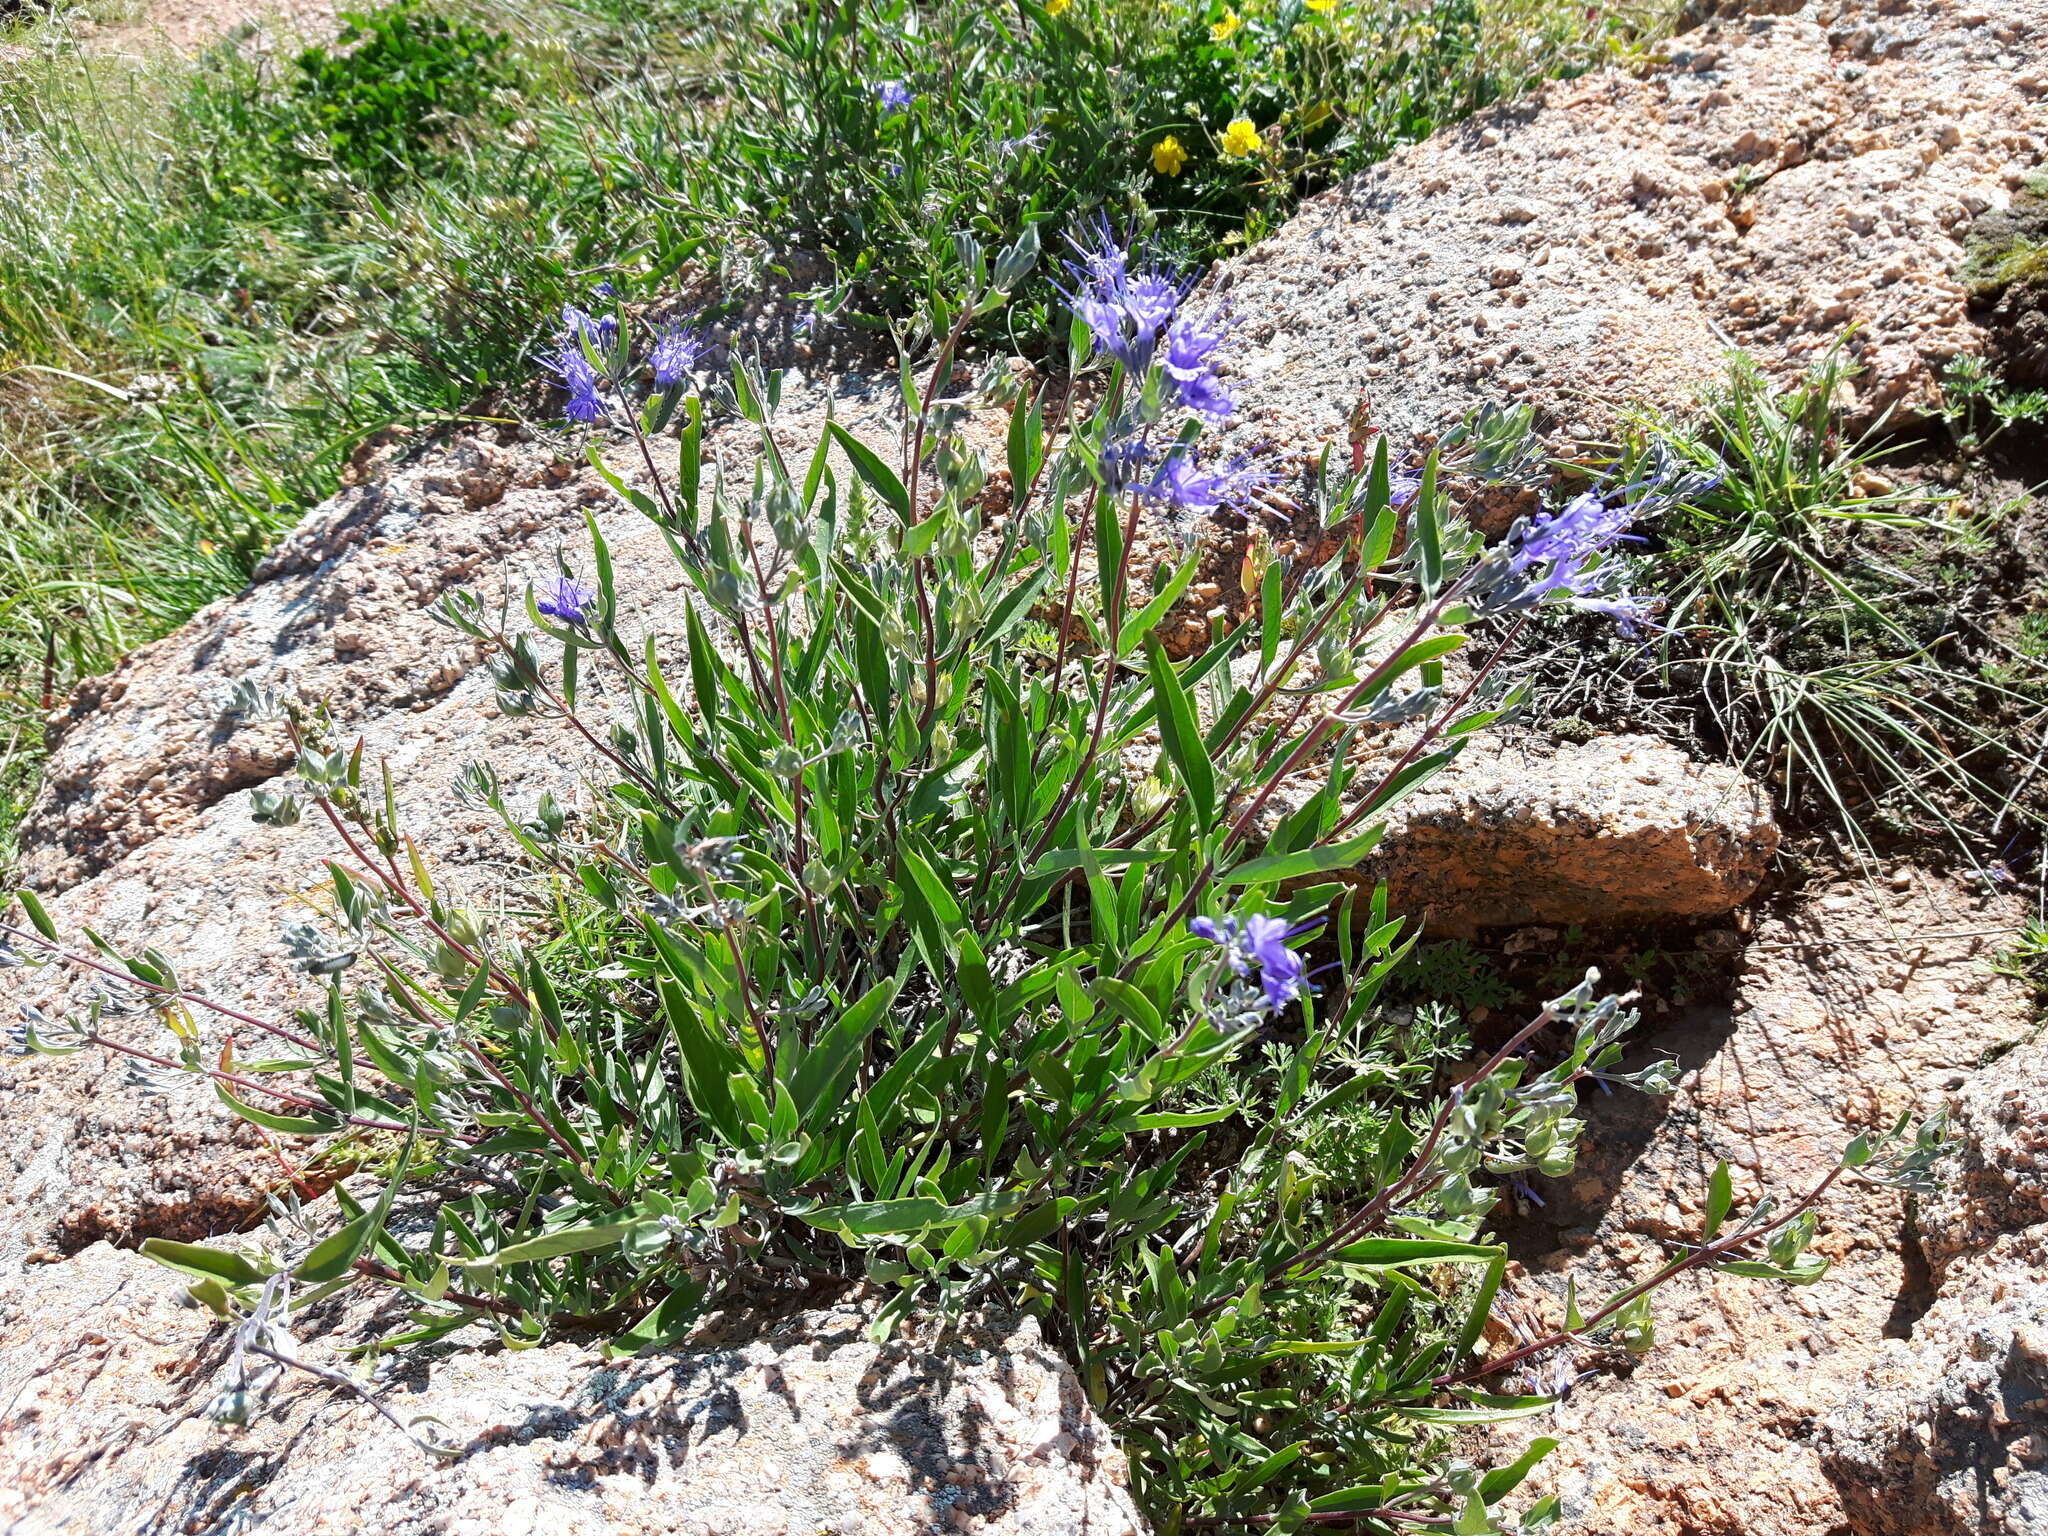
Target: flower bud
1149 798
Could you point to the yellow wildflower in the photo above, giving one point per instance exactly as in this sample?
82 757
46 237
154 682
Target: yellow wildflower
1222 31
1168 157
1058 7
1240 138
1321 7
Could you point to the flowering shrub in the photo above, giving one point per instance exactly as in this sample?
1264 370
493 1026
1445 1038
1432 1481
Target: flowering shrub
857 132
876 963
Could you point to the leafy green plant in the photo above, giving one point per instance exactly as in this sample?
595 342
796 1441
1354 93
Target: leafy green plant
874 960
1979 409
2026 958
1452 971
396 82
1208 121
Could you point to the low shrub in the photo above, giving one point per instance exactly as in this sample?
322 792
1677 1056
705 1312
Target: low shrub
397 81
864 132
875 960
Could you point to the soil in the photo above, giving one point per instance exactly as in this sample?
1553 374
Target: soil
192 26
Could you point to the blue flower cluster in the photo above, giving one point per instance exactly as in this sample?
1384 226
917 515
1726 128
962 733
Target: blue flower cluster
1568 555
1129 302
1177 479
578 376
599 330
1555 552
675 355
585 351
1132 305
1258 944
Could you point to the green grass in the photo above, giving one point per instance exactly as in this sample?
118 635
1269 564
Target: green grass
1824 614
194 330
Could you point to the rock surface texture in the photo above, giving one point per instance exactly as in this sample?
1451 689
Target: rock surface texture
1532 831
1948 1432
1896 1396
807 1427
1607 241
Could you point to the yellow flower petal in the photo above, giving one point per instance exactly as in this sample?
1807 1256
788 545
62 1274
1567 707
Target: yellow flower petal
1168 156
1240 138
1057 7
1321 7
1224 30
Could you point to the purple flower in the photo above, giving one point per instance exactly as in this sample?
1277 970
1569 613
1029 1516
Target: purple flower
567 599
1123 465
601 330
1149 300
1124 298
675 354
1403 486
893 96
1181 483
575 374
1631 611
1192 346
1556 546
1561 553
1259 943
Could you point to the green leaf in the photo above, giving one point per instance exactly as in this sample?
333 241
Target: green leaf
552 1245
877 474
1492 1410
1140 624
1061 860
1181 736
206 1263
933 911
1026 447
1399 1252
819 1084
33 906
667 1324
1132 1004
1429 551
1804 1270
1502 1481
334 1254
284 1125
1304 861
909 1217
1180 1120
708 1061
1720 1197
